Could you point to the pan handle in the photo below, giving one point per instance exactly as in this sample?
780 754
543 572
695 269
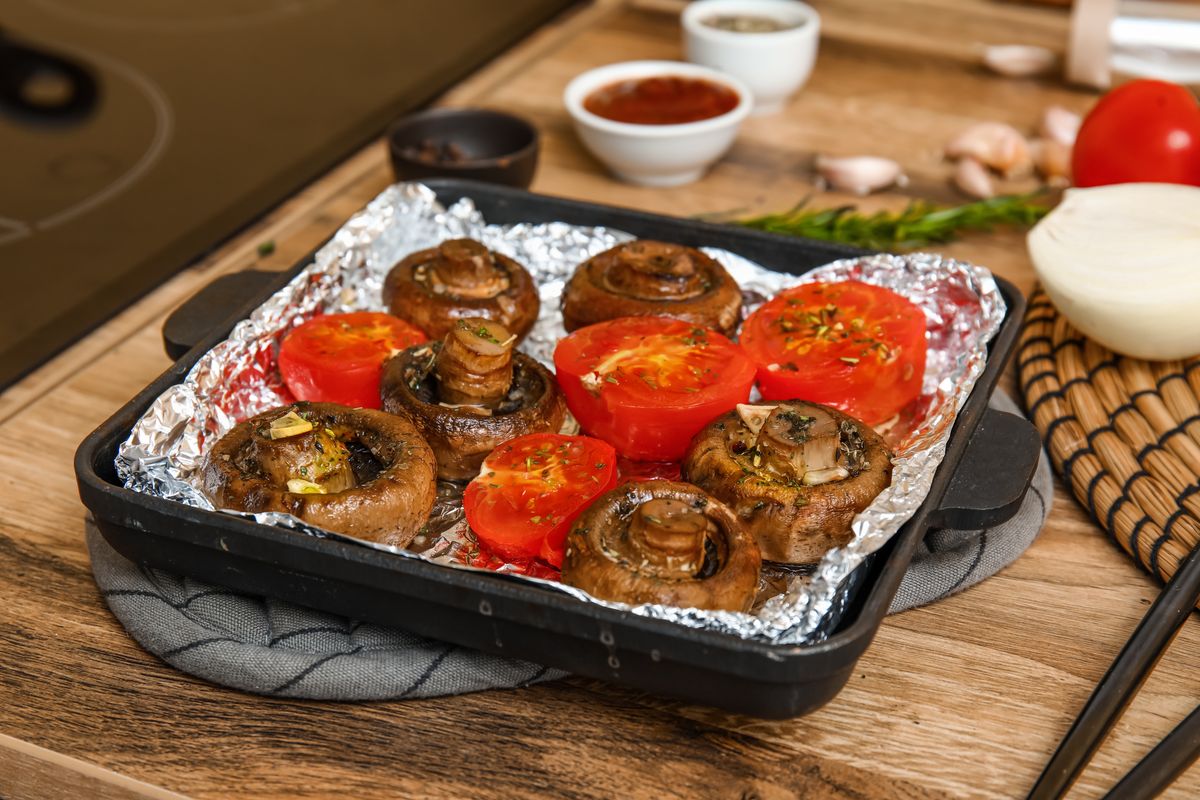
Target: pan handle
993 475
215 307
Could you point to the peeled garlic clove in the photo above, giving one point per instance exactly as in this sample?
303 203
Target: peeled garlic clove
290 424
816 477
754 417
301 486
995 144
1060 125
973 179
859 174
1053 160
1019 60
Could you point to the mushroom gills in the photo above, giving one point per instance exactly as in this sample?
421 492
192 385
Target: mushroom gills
712 559
363 463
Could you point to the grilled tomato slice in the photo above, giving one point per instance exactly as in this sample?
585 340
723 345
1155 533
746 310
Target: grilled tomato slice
856 347
338 358
647 385
531 488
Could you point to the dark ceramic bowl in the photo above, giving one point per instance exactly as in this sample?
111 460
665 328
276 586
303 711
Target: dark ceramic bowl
472 143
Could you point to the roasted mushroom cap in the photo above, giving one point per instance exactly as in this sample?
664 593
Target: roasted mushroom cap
796 473
461 278
663 542
645 278
356 471
471 392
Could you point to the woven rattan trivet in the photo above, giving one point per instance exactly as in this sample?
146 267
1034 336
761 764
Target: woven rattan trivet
1123 434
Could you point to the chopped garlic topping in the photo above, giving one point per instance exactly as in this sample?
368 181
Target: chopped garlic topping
754 417
301 486
816 477
290 424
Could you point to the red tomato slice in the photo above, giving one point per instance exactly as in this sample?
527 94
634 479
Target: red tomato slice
1144 131
530 490
338 358
850 345
647 385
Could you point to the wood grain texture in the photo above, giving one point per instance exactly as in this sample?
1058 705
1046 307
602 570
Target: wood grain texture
966 698
29 771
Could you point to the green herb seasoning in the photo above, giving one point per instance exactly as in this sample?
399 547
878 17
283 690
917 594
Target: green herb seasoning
919 225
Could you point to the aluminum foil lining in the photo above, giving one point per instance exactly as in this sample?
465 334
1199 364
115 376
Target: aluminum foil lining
239 378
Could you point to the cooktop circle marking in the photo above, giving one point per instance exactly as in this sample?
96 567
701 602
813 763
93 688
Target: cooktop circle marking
163 127
12 229
83 165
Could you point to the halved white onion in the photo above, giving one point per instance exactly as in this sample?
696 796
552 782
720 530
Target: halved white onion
1122 263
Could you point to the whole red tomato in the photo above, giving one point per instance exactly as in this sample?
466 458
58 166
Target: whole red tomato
1142 132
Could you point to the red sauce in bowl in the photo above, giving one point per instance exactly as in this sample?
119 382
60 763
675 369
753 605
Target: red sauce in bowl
665 100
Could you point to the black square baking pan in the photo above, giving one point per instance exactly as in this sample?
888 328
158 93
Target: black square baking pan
988 465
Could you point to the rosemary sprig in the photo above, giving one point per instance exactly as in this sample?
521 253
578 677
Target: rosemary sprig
920 224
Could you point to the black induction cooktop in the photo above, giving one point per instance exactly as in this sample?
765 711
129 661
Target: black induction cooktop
137 134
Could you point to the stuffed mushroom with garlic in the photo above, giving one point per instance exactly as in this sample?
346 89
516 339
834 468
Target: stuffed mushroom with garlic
795 472
355 471
471 392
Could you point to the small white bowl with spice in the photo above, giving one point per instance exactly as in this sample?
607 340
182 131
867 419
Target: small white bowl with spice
657 123
769 45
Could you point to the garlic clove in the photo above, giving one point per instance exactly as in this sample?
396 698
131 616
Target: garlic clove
301 486
754 416
994 144
859 174
972 178
290 424
816 477
1053 160
1060 125
1019 60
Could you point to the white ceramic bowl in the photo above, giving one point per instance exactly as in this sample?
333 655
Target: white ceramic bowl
655 155
774 65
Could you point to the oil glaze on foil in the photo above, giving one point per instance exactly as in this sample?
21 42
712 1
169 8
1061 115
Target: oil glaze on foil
238 378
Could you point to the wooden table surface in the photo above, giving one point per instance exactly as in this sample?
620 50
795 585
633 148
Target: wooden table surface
964 698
